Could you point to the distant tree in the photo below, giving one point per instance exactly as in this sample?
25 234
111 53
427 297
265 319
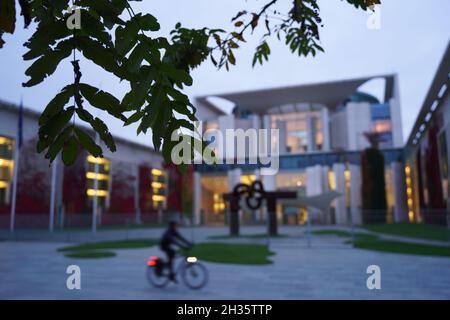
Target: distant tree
373 184
119 40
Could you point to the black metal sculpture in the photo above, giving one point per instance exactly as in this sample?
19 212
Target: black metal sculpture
254 196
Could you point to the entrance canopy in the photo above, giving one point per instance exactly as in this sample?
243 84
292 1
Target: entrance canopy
330 94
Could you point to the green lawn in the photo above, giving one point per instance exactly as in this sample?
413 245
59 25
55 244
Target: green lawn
213 252
93 250
400 247
122 244
232 253
420 231
338 233
373 242
246 236
93 254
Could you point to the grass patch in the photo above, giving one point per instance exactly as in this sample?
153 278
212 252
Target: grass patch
96 250
232 253
419 231
337 233
121 244
90 254
373 242
401 247
246 236
133 226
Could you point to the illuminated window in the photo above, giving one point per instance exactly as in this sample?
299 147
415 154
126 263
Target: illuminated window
6 168
159 187
347 176
98 178
331 180
218 204
382 126
409 194
248 179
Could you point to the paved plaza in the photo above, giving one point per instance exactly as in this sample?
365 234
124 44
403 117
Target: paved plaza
329 269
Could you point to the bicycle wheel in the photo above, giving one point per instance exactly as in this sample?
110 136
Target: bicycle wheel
195 275
157 280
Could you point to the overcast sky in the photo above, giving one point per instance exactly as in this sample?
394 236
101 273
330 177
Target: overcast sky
411 43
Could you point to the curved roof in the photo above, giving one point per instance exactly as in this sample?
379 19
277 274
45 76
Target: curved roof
330 94
360 96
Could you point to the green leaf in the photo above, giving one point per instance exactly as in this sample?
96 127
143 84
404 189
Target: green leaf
70 151
177 75
89 144
97 53
135 59
47 64
94 28
56 146
134 118
56 104
45 36
56 123
104 8
8 15
147 22
102 100
135 98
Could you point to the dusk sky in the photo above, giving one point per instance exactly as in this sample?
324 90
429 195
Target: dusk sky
411 43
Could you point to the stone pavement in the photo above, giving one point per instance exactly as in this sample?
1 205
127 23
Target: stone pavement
327 270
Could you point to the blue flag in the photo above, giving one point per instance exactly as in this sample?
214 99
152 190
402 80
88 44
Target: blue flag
20 126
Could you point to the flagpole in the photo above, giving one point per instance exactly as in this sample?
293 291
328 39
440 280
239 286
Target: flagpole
17 147
53 195
14 188
95 199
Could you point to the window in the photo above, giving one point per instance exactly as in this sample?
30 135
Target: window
382 126
6 168
298 127
98 180
159 187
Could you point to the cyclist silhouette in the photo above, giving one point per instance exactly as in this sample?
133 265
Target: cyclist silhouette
170 238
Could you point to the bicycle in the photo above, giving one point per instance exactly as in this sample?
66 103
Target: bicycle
193 273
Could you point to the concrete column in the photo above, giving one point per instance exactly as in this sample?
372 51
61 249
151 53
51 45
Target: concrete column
229 149
310 132
355 194
137 207
281 125
234 178
325 129
197 189
313 187
341 211
326 188
314 180
399 190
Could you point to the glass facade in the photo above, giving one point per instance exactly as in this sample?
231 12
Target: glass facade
212 205
159 188
300 128
98 180
382 124
6 168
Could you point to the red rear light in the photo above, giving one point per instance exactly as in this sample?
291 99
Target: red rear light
151 262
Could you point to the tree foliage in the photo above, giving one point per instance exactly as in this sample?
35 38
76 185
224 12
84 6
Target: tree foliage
157 69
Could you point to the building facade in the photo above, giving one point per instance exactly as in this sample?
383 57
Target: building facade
130 185
427 153
322 130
